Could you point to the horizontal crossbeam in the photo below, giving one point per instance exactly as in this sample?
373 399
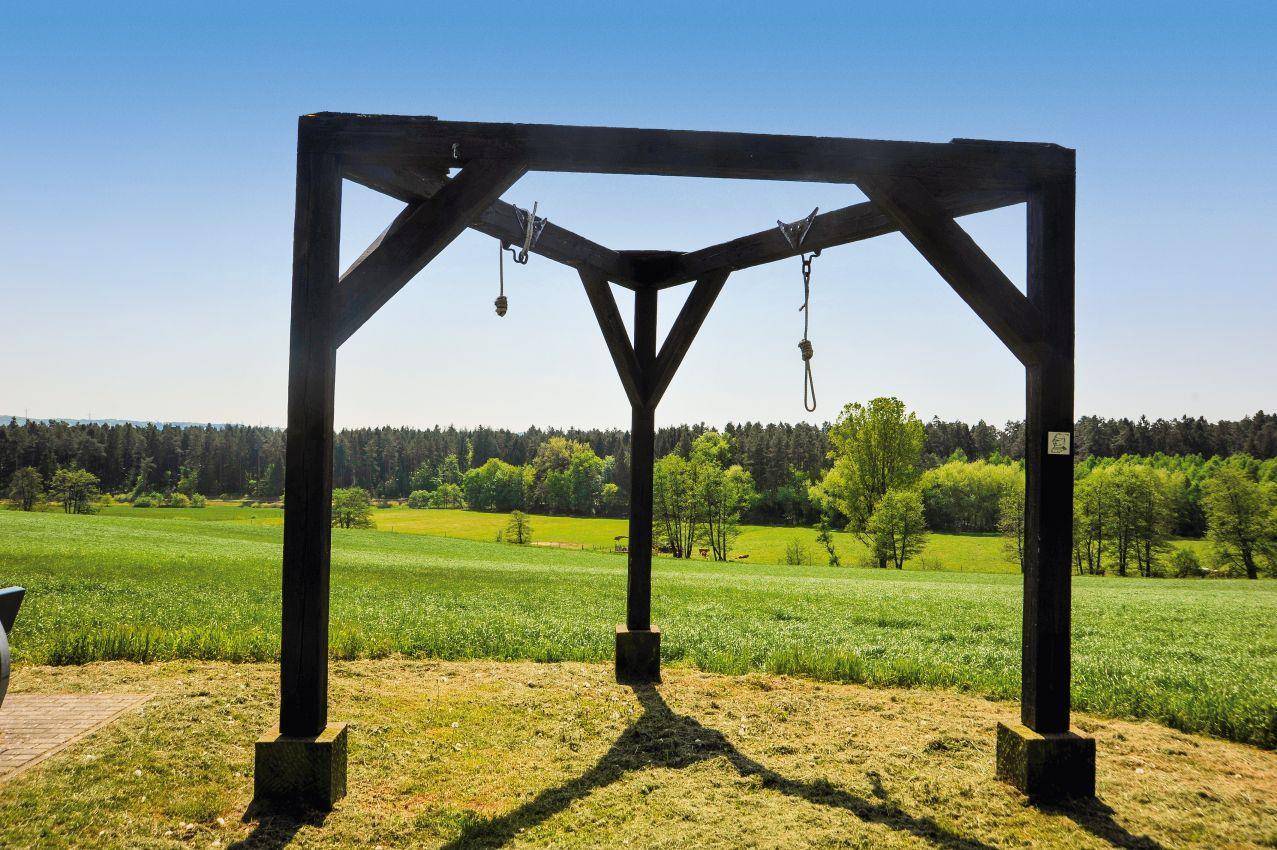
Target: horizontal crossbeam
429 142
499 221
837 227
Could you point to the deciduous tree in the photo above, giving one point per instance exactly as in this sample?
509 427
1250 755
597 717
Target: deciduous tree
897 529
26 489
352 508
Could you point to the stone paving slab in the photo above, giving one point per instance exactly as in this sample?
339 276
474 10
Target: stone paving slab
35 726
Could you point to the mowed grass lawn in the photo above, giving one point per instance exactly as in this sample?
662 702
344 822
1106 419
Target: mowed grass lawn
761 544
1196 655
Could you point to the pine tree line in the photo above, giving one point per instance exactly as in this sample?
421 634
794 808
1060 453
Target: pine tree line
782 458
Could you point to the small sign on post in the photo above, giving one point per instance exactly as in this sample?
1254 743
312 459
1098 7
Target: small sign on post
1059 443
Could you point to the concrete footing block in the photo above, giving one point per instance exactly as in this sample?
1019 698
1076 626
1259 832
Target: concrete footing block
293 771
1046 767
638 655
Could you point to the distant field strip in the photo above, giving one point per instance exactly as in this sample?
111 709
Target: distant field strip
1197 655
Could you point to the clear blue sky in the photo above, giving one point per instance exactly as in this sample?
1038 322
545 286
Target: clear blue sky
146 205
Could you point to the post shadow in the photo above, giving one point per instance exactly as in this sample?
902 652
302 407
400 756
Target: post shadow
1097 818
661 738
276 827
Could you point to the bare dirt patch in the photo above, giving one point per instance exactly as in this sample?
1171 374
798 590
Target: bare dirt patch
557 755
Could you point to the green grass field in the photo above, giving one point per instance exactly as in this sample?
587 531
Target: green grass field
1197 655
762 544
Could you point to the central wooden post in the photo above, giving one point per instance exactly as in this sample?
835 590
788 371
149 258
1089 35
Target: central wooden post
638 643
638 601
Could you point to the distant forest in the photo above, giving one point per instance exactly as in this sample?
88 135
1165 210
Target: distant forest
240 461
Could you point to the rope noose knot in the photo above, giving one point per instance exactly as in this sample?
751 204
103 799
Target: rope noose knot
809 383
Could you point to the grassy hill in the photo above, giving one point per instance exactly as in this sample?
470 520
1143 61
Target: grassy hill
1198 655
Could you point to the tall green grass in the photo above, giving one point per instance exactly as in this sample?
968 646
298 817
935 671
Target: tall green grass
1198 655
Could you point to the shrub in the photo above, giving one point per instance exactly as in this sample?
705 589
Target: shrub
419 499
198 501
1186 564
175 500
797 554
147 500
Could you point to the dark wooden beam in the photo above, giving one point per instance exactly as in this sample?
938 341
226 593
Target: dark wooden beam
837 227
638 593
308 469
417 236
617 338
499 221
1048 504
961 262
754 156
684 330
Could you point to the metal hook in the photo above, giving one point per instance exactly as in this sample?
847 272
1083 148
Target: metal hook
531 225
796 231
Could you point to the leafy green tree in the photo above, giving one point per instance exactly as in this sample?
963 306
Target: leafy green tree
676 512
76 489
270 486
1011 519
875 448
449 471
448 497
825 537
1241 520
725 494
423 477
519 528
352 508
419 499
1092 521
495 486
966 496
26 489
897 529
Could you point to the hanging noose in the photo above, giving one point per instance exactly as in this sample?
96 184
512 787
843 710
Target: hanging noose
804 345
795 232
502 303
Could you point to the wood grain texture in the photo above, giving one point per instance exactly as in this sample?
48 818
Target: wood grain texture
1048 504
308 471
685 153
849 224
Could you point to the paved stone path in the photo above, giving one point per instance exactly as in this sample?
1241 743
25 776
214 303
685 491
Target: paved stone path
35 726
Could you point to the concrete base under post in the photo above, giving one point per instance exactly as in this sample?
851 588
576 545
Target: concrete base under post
1046 767
638 655
301 771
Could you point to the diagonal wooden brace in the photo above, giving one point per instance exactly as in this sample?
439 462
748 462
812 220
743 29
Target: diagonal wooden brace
961 262
415 238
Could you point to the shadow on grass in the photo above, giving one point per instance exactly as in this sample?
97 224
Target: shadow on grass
1097 819
275 827
662 739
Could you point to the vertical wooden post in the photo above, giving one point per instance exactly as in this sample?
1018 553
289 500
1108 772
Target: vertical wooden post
308 472
638 602
1048 505
1041 756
